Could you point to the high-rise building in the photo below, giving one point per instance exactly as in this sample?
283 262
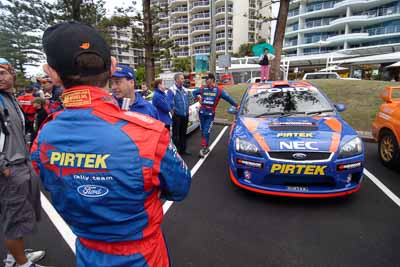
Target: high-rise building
362 27
121 46
188 23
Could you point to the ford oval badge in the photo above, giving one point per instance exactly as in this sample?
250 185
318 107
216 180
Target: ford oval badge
299 156
92 190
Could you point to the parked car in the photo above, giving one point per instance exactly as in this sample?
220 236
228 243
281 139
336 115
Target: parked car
194 108
325 75
386 128
254 80
288 139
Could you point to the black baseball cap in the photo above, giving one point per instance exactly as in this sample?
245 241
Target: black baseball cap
64 42
210 76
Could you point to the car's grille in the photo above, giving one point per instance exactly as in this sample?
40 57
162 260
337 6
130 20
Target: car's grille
303 180
294 155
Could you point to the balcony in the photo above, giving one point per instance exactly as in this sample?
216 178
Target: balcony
293 13
352 37
180 32
200 17
199 5
173 3
179 11
181 54
164 27
182 43
221 11
221 23
200 40
179 22
202 51
222 48
383 30
222 36
320 6
200 28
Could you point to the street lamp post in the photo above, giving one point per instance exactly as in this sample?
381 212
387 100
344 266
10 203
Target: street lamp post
213 59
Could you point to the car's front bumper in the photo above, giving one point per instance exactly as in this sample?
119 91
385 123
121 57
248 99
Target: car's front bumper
325 179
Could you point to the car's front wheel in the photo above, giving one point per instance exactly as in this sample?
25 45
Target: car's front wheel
389 151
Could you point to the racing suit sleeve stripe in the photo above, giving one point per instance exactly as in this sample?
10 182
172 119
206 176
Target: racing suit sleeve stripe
34 155
228 98
174 175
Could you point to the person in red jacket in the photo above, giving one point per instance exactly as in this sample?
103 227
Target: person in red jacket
105 169
25 101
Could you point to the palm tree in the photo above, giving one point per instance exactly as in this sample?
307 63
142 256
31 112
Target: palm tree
278 40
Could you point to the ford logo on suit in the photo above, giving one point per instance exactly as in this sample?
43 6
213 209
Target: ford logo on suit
92 190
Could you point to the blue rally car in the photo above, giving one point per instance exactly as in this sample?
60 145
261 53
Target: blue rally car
288 139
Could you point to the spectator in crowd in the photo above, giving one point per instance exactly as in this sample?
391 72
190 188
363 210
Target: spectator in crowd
180 117
37 92
25 101
117 164
210 96
146 93
52 93
123 86
163 100
19 185
265 63
40 115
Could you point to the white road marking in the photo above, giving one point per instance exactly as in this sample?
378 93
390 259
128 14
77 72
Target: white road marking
58 222
382 187
196 167
64 229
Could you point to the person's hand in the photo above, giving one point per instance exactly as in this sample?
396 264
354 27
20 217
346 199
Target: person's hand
6 172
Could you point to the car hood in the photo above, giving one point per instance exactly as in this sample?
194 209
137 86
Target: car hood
297 134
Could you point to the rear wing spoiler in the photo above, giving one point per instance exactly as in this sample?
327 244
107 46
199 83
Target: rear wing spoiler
387 94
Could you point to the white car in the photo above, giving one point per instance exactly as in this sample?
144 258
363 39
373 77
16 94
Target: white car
194 107
325 75
254 80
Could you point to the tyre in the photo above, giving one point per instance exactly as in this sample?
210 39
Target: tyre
389 150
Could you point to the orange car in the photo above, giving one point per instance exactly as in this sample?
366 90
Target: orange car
386 127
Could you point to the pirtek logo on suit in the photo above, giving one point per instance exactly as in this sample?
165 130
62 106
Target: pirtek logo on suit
79 160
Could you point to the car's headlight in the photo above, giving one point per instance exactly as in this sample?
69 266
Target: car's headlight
351 148
246 147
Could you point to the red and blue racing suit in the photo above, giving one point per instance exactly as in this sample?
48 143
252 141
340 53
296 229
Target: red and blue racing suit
105 170
209 100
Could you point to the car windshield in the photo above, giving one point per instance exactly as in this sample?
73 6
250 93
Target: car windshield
285 102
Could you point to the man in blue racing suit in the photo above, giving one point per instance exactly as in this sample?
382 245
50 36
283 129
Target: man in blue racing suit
209 97
105 168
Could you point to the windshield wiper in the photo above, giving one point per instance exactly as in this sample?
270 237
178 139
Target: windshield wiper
319 112
281 114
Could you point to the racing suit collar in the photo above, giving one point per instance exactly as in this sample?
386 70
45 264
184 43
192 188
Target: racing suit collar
85 96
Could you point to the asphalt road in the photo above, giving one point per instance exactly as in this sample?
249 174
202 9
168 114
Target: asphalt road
221 225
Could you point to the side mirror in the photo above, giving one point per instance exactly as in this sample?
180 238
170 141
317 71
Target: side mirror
387 94
340 107
232 110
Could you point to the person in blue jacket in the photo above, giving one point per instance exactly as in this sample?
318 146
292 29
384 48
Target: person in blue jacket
123 86
209 96
163 99
106 169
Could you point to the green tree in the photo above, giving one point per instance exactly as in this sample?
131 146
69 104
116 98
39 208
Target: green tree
182 64
21 24
140 75
147 37
245 50
278 40
88 11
